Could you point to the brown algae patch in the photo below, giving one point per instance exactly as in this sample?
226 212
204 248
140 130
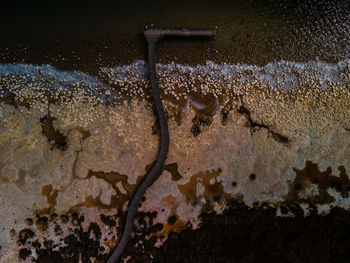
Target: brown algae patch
311 175
118 182
173 169
51 195
208 179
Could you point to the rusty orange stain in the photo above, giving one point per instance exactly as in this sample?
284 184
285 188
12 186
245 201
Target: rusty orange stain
179 225
50 194
116 201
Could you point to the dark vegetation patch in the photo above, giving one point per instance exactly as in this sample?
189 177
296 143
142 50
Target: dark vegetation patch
138 247
254 126
76 219
108 220
58 230
86 244
172 219
243 234
95 230
24 235
60 141
24 253
77 244
42 222
64 219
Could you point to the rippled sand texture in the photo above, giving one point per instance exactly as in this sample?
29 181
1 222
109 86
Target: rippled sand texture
72 151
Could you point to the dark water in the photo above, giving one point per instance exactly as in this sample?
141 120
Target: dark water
86 35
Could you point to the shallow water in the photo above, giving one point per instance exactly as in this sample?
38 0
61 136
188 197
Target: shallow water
86 36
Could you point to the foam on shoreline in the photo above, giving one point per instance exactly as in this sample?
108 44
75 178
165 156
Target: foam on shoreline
282 75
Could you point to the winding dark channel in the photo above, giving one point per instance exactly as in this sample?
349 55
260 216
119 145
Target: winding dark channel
153 35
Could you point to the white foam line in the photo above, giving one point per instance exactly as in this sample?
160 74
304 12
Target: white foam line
288 74
57 79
